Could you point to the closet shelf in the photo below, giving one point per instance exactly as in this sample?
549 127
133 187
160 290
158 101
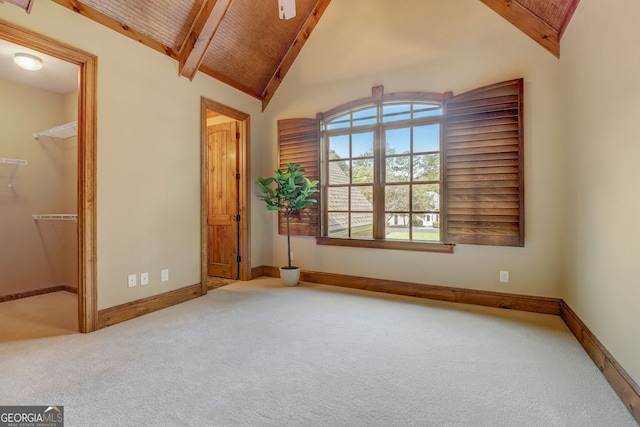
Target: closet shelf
56 217
13 161
61 132
16 162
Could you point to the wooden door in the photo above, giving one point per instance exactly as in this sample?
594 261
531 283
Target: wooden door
222 218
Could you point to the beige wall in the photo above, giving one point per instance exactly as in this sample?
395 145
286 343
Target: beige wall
601 64
148 182
32 254
431 45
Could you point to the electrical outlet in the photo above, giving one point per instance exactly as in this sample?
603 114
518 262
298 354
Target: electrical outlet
131 280
144 279
504 276
165 275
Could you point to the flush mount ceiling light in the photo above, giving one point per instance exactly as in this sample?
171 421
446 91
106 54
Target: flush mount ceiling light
287 9
28 62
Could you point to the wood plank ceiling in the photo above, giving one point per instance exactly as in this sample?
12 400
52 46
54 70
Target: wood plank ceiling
244 43
543 20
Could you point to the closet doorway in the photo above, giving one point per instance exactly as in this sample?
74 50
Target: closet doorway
82 216
224 193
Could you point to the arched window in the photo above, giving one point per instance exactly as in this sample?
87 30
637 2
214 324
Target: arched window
415 170
381 169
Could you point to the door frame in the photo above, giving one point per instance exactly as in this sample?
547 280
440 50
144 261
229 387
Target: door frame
87 136
243 188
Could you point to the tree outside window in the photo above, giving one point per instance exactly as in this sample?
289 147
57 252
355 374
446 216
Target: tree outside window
384 174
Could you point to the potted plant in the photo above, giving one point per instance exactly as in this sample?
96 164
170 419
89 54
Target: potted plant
288 191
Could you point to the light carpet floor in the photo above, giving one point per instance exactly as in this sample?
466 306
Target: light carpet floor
40 316
259 354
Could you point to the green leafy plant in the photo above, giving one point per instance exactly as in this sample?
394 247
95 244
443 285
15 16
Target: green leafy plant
287 191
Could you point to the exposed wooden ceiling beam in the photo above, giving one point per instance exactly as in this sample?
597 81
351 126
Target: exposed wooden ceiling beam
109 22
293 51
200 36
527 22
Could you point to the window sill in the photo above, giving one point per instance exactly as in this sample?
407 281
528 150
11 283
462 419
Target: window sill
387 244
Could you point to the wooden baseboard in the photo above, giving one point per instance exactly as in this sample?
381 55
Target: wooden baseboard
442 293
71 289
624 386
258 272
32 293
120 313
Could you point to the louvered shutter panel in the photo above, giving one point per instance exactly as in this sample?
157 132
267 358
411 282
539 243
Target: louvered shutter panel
483 167
298 142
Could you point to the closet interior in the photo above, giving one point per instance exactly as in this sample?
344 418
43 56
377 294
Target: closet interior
38 190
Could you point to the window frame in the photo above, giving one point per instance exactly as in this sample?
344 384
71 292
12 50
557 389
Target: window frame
378 100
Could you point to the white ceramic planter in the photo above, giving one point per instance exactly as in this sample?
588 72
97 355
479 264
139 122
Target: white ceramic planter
290 277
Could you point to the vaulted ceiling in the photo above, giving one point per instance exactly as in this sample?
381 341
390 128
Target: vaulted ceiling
244 43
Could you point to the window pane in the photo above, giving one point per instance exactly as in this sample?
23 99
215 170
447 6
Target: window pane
366 113
426 138
362 171
396 108
338 125
338 198
339 147
394 112
397 226
362 198
361 225
362 144
364 122
338 225
426 197
421 111
396 198
394 118
340 122
426 167
368 116
342 118
397 169
423 228
339 172
398 141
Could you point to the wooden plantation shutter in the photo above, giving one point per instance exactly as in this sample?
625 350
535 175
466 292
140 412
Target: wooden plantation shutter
483 166
298 142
